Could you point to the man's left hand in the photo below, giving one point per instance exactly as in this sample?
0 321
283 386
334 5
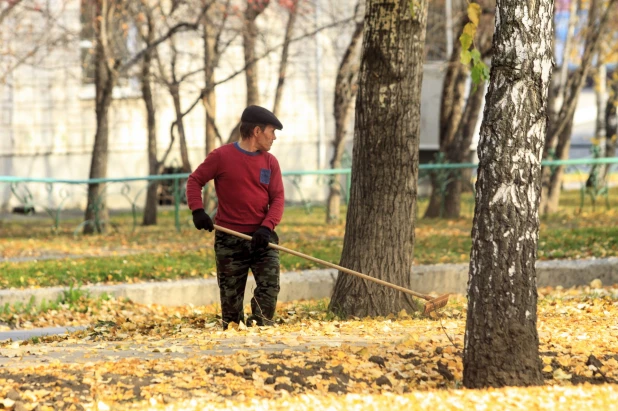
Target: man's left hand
260 238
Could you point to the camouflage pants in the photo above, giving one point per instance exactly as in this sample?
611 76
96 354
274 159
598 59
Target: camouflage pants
234 259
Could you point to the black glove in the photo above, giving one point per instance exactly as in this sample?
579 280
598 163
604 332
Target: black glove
260 238
202 221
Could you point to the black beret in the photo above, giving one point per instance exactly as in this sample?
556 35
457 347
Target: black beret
260 115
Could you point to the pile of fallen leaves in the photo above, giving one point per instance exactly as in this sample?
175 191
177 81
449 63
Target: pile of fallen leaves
137 356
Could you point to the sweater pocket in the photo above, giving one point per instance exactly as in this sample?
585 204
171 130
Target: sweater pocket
264 176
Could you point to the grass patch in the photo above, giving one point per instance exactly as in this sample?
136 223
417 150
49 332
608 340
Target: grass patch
159 253
71 300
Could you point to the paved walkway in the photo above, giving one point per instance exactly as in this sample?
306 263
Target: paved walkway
202 343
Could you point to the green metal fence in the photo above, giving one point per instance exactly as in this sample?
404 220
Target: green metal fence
584 175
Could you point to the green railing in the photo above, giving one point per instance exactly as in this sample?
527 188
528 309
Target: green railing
172 190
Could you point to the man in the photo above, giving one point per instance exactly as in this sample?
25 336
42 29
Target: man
250 200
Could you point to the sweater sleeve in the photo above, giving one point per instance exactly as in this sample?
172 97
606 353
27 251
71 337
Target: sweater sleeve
199 178
276 196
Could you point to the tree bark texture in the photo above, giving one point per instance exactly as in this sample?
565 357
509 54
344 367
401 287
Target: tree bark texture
379 236
501 341
346 87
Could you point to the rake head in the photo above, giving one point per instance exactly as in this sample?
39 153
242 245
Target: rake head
436 303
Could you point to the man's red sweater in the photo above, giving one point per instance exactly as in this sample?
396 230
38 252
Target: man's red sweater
249 188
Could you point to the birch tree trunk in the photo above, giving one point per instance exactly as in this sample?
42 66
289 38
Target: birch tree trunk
501 341
379 236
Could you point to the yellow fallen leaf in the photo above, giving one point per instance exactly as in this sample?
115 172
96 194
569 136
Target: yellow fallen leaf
561 375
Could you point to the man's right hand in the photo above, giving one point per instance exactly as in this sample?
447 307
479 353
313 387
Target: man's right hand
202 221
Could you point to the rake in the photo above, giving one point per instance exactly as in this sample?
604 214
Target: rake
432 304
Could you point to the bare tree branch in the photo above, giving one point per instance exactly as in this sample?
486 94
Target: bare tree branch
266 53
180 27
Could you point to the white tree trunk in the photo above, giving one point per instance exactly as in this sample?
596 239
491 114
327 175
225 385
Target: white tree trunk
501 341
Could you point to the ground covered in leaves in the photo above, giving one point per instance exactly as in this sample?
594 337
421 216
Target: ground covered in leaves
136 356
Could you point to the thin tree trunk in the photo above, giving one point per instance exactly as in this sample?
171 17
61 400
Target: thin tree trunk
611 126
150 210
285 51
456 122
600 90
596 27
552 200
249 36
459 149
209 97
346 87
501 345
452 104
209 100
379 236
180 126
557 98
105 80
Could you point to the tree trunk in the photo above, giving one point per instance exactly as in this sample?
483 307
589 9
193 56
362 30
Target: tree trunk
211 56
501 342
249 36
105 80
379 236
150 210
457 122
346 87
611 126
210 97
452 104
552 199
557 98
180 126
459 150
594 181
595 28
283 64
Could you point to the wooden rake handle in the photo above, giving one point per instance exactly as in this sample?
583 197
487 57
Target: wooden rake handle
326 263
